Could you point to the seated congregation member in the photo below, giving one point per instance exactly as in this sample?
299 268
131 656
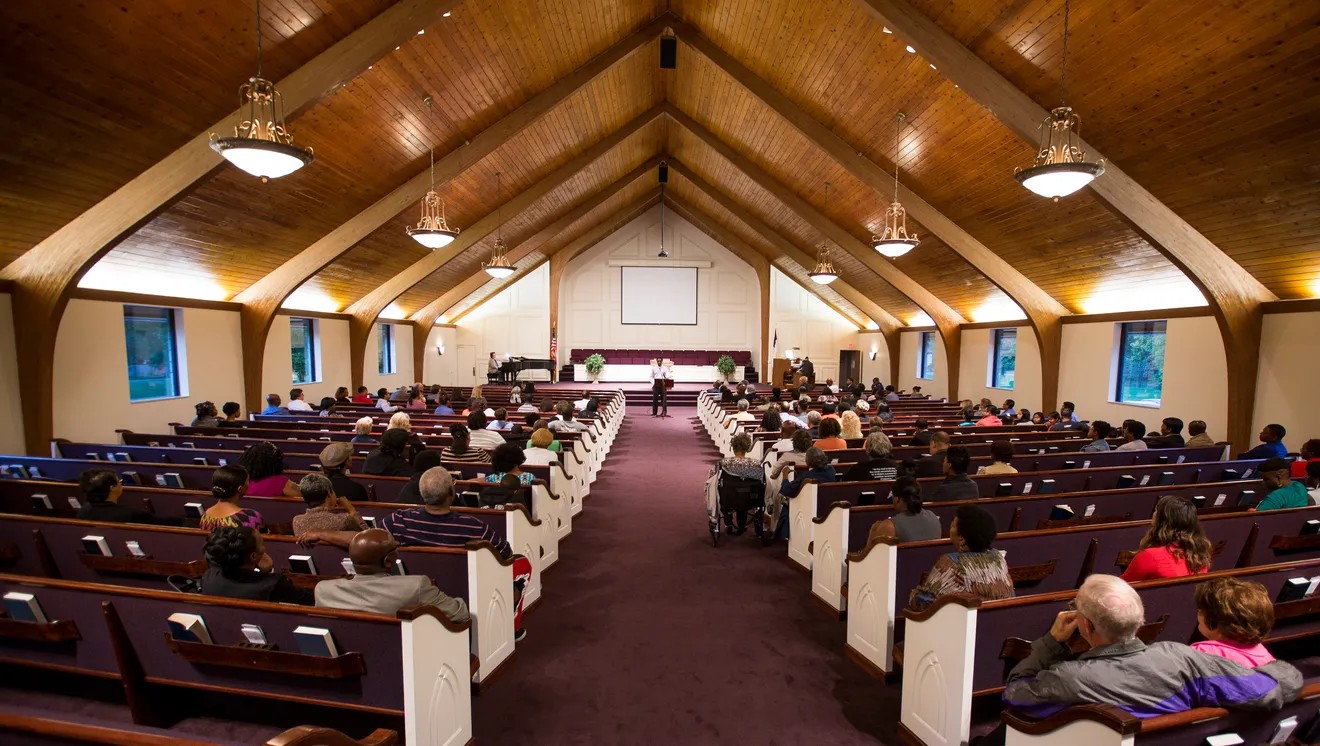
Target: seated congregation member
742 415
1199 439
878 464
771 422
238 567
991 418
362 397
298 401
335 461
375 589
957 485
232 411
1122 671
593 406
527 407
850 426
829 436
341 396
1067 420
507 459
1174 546
327 406
228 485
910 521
403 421
740 466
362 431
411 493
1309 452
442 405
565 421
264 463
785 443
1009 410
817 467
206 415
1170 434
883 413
932 465
1283 491
460 450
891 394
416 400
103 488
326 511
501 422
1271 443
1133 434
390 458
973 567
273 405
383 401
1001 454
814 419
1039 419
1098 432
923 434
538 453
479 436
793 459
1234 617
1312 480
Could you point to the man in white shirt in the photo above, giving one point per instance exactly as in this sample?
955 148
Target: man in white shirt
743 415
479 436
659 394
565 422
297 403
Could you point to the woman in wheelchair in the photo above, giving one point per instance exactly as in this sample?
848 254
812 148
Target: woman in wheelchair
740 466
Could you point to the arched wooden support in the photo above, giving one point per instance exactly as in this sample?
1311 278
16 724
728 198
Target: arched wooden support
45 275
1232 292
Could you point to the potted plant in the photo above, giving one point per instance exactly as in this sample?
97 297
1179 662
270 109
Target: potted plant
725 367
594 365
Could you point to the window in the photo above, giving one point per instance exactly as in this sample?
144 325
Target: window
926 356
152 346
1003 358
385 349
1139 373
302 348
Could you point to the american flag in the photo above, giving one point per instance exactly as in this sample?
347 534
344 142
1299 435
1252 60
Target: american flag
554 346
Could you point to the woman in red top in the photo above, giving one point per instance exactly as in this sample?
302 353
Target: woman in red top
1174 546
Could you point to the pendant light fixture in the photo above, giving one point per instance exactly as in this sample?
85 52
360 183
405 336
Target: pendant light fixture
499 266
1061 167
895 241
262 144
664 176
432 231
824 272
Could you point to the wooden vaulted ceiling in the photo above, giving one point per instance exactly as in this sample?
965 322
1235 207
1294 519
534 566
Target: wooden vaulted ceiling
1212 107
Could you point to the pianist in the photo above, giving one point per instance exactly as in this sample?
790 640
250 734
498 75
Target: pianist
492 368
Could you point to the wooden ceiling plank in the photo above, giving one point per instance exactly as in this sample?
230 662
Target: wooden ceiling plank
1232 292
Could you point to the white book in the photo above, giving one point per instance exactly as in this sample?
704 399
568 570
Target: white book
96 545
24 607
315 641
1224 739
43 500
254 634
1090 511
1086 464
347 564
1145 480
1220 498
73 503
1284 730
188 628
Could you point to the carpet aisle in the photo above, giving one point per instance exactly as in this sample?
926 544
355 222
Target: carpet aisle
648 635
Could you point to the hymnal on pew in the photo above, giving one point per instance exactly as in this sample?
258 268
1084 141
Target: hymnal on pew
1004 489
254 634
193 510
122 456
1046 486
1311 527
1145 479
1062 513
1247 498
1220 498
96 545
42 501
188 628
302 563
1224 739
24 607
132 478
73 503
1284 730
315 641
1294 589
1166 478
1125 481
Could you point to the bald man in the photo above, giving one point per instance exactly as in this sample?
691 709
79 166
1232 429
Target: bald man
375 589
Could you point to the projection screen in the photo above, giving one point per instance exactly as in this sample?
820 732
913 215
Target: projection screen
659 295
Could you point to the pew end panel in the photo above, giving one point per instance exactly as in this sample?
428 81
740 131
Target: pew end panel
524 534
801 511
829 550
491 604
872 576
437 690
936 707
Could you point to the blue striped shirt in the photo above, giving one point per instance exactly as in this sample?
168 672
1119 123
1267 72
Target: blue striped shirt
415 527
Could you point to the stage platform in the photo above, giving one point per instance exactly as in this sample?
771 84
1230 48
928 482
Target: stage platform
637 394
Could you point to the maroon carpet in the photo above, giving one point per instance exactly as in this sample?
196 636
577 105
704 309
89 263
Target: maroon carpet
648 635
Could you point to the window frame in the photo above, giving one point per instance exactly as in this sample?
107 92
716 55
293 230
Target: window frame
925 346
992 370
1123 330
386 349
177 351
312 345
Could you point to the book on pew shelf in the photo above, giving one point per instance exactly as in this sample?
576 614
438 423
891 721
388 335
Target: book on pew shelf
173 479
4 471
1284 730
1311 527
1220 498
40 501
315 641
73 503
1247 498
1228 475
35 473
1315 583
1069 465
123 456
253 634
1163 459
93 456
201 461
400 568
1182 458
1145 479
224 461
160 480
302 563
1224 739
1046 486
1026 488
193 510
1004 489
1166 478
1247 474
131 477
188 444
1198 501
134 548
1086 464
171 445
1125 481
1293 589
1090 511
188 628
24 607
369 521
1054 449
96 545
314 467
347 564
1062 513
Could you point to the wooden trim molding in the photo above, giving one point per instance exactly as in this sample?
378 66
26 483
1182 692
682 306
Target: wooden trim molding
322 315
965 600
1305 305
1107 715
1154 315
907 329
1010 324
145 299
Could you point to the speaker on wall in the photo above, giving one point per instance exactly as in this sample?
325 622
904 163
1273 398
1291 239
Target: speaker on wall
664 172
668 53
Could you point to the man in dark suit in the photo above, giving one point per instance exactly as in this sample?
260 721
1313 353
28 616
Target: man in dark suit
1170 434
933 465
923 434
808 369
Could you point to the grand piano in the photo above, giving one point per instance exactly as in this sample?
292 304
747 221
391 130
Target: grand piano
509 369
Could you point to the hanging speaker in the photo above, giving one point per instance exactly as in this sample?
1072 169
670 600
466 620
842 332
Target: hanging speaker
664 173
668 53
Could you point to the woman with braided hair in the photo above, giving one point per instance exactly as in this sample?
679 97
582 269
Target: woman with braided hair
238 567
264 463
228 485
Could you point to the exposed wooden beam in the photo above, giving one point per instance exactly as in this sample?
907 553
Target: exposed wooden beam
366 309
46 273
946 319
1233 293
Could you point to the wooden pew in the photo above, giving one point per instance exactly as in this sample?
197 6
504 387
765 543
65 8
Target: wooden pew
53 548
961 648
121 633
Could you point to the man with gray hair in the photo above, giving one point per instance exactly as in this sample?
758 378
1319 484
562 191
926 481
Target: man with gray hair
743 414
1120 670
813 423
326 511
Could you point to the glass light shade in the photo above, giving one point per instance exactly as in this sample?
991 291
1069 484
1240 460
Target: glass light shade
894 247
499 271
823 278
1058 179
262 158
432 238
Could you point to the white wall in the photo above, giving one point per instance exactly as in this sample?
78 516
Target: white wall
728 294
1289 362
436 368
907 366
1195 375
516 321
974 369
811 327
11 408
403 359
91 372
332 356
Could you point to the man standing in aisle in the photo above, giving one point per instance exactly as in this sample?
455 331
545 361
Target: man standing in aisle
659 394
